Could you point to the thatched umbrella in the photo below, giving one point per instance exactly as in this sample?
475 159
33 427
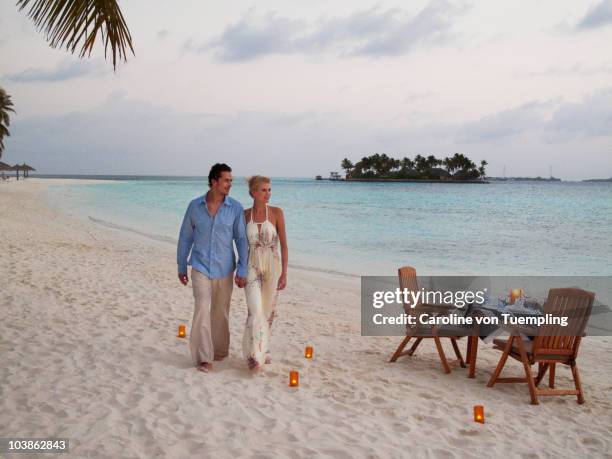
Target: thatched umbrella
17 168
27 168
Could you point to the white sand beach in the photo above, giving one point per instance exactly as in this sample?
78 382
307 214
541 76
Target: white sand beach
89 352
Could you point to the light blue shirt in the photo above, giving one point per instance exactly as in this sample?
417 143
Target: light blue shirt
209 239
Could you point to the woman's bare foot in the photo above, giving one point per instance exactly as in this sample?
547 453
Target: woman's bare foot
205 367
268 360
253 364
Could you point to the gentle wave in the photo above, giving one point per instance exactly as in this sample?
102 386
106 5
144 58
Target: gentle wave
156 237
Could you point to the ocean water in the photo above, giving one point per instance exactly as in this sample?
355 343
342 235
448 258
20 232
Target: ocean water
503 228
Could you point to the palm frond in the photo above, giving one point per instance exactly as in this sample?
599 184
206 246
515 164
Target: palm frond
6 105
77 23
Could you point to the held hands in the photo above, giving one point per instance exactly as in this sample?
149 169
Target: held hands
282 282
240 281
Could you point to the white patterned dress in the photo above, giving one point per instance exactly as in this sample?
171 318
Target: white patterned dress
261 289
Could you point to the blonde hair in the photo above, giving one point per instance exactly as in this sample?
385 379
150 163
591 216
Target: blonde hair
255 181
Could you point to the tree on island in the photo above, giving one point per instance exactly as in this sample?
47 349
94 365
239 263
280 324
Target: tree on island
347 165
482 169
406 163
381 166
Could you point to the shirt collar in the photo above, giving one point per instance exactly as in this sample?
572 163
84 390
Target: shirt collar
226 200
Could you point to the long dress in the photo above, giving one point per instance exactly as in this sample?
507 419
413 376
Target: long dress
261 289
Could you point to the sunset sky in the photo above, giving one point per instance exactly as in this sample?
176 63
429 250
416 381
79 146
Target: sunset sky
289 88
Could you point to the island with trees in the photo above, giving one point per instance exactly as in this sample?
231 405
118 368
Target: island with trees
380 167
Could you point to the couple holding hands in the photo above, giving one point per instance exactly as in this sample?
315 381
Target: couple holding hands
211 225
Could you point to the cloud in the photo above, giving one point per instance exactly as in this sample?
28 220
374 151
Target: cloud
373 32
504 124
162 34
551 121
598 16
251 38
65 70
592 117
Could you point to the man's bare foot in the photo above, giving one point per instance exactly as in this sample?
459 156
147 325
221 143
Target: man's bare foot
268 360
205 367
218 359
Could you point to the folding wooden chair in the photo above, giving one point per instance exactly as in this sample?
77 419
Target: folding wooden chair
554 344
408 281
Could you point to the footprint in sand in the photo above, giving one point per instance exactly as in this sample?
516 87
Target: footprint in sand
593 443
469 433
400 427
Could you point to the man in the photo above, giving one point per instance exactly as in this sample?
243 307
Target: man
211 224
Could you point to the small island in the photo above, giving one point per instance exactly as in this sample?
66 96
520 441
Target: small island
380 167
599 180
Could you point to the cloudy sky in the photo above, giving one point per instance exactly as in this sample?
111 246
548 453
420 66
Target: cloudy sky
289 88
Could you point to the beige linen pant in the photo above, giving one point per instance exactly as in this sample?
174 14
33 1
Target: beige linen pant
210 335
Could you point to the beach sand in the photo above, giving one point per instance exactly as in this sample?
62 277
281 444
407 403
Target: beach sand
89 352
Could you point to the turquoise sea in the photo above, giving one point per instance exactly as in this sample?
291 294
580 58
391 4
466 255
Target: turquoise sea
501 228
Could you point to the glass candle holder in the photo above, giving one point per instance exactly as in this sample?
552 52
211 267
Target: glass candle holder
479 414
294 378
515 294
181 331
308 352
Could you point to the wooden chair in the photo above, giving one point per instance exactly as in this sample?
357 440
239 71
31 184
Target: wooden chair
408 281
554 344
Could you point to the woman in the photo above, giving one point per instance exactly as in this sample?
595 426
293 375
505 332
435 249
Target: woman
267 272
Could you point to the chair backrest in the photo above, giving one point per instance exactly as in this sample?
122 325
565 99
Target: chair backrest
554 339
408 279
408 282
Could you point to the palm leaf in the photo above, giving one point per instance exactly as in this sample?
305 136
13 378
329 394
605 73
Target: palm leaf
6 105
77 23
3 133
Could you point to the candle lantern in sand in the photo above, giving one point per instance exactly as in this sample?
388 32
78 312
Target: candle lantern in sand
308 352
181 331
479 414
515 294
294 378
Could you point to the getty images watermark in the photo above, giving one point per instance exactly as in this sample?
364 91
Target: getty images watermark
481 305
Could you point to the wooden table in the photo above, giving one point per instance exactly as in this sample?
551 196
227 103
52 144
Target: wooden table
471 352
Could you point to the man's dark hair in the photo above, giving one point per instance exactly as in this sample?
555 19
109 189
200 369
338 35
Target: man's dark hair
215 172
